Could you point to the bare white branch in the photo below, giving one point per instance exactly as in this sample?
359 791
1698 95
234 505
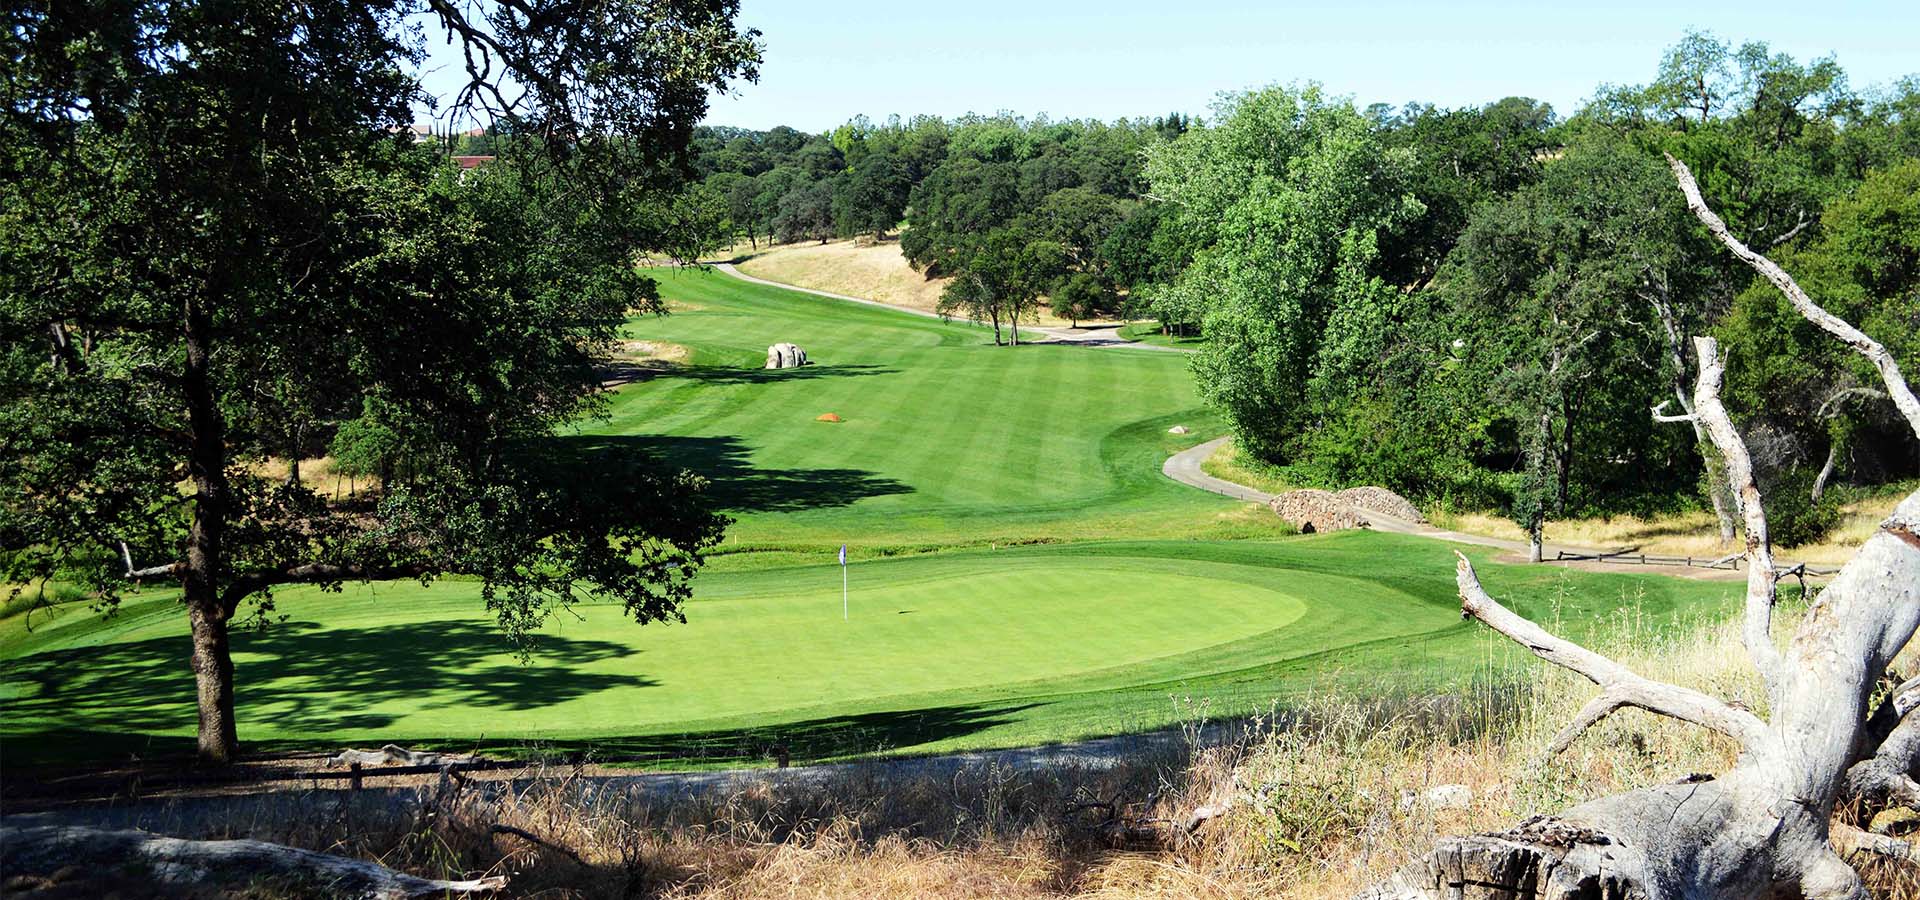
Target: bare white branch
1590 715
1830 406
1659 416
1757 623
1620 686
126 556
1883 361
1905 697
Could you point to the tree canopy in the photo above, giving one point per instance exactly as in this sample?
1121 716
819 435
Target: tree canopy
222 250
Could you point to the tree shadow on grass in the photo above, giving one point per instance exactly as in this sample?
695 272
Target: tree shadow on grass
741 375
301 677
620 373
802 741
737 484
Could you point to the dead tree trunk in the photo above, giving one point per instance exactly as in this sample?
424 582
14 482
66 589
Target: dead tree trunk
1761 830
1826 472
185 865
1723 512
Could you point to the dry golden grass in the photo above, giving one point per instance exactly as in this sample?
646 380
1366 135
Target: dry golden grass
1692 533
320 475
653 351
1229 463
875 271
860 268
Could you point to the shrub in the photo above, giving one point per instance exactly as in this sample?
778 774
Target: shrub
1793 519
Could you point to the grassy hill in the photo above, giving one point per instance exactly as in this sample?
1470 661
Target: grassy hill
857 268
1021 573
876 271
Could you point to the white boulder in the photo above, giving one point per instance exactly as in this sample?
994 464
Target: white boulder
786 356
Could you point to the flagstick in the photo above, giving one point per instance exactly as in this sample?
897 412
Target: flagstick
843 592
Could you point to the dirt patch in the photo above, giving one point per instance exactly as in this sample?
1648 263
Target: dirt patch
641 360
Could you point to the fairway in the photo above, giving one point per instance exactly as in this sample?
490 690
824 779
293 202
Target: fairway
946 440
1021 573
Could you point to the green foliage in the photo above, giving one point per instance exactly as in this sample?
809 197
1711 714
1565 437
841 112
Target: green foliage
1079 296
1000 276
874 197
1794 518
1559 291
805 212
1798 381
1289 192
1461 159
219 249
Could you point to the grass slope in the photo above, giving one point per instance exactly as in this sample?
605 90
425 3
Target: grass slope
1023 573
946 441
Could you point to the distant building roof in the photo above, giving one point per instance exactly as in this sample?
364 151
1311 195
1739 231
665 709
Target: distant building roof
471 162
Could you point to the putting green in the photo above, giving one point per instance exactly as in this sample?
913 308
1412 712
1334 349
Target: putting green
753 647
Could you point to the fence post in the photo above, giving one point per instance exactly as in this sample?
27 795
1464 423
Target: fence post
353 777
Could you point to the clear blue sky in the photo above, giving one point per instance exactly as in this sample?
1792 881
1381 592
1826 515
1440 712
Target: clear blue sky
827 62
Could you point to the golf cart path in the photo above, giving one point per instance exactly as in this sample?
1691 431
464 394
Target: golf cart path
1185 467
1083 337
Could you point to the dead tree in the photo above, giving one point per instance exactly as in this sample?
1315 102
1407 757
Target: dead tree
1763 829
177 866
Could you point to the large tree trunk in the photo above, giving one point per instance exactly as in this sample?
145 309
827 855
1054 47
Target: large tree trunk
212 662
1761 831
200 581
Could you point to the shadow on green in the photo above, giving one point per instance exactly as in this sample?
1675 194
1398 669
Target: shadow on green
737 484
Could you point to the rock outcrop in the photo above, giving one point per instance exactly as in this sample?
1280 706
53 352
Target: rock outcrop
1314 511
786 356
1381 500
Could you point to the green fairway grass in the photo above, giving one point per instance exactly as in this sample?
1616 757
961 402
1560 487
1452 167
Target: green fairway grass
1022 573
971 649
947 440
1150 333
